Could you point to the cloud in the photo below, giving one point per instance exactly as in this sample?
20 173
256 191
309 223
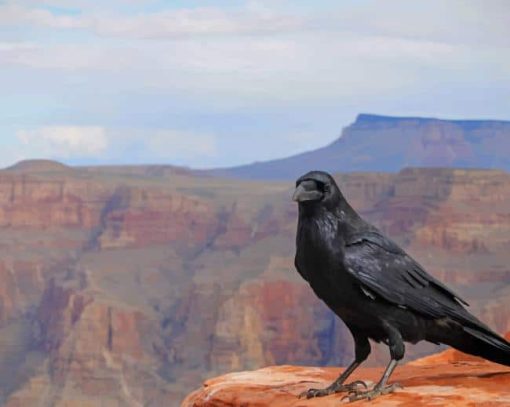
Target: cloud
200 21
77 144
163 24
455 21
16 46
91 57
273 64
474 22
14 15
250 69
64 142
332 52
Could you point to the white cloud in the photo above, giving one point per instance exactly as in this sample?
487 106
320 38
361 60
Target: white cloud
201 21
454 21
247 70
82 5
163 24
347 52
97 144
64 141
179 67
16 46
91 57
13 15
474 22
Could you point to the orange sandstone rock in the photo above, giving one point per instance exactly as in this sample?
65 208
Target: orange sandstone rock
446 379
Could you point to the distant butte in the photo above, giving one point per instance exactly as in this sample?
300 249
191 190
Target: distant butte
384 143
38 166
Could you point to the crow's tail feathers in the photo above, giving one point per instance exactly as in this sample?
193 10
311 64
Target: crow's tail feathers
482 342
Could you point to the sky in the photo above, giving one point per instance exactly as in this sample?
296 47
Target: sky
222 83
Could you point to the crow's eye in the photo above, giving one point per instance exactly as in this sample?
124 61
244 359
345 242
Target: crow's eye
323 187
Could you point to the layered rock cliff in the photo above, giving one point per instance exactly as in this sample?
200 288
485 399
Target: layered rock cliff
130 286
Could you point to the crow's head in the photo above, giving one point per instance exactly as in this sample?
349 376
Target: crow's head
317 187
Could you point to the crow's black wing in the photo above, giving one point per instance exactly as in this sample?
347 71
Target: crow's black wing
384 270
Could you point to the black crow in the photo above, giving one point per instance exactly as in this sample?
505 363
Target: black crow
376 288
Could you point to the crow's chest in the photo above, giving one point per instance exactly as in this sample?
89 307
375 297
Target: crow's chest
317 240
319 259
316 258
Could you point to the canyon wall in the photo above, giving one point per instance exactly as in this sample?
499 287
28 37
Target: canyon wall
131 286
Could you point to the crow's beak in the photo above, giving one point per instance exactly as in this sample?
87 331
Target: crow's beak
306 191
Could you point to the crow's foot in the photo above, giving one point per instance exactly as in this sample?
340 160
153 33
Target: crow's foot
377 391
334 388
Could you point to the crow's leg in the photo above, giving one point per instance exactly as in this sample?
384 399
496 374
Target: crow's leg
362 350
379 389
397 350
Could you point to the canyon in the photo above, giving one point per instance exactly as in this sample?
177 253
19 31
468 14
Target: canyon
132 285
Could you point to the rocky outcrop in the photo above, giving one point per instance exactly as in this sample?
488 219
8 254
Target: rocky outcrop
50 202
136 217
459 211
276 321
446 379
21 285
99 351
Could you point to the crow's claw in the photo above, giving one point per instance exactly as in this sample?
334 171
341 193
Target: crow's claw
334 388
311 393
356 395
355 383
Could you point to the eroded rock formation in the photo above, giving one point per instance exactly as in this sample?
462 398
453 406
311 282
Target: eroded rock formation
133 285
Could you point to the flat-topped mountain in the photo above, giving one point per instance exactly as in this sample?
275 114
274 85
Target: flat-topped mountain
38 165
381 143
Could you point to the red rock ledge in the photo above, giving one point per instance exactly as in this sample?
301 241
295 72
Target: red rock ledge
449 378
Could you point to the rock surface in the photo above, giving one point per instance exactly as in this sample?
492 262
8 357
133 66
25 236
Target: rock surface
446 379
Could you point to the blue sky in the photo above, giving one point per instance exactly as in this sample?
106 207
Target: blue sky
221 83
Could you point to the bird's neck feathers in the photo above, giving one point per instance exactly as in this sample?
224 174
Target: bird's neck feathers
339 208
316 224
338 215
